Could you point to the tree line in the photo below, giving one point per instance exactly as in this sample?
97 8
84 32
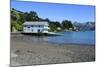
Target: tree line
19 17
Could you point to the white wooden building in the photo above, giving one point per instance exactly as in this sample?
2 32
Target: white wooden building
35 27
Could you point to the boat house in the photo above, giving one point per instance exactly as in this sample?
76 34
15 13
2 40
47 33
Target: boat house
35 27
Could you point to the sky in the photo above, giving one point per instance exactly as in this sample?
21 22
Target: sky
57 12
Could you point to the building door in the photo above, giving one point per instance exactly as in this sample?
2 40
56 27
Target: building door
39 31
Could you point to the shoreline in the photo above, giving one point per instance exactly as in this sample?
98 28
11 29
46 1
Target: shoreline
40 53
17 34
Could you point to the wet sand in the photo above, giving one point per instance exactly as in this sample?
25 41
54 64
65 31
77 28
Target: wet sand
38 53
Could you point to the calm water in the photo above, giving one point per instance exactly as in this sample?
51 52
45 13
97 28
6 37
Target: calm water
87 37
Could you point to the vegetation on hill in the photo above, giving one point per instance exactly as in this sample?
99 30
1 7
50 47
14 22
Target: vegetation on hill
18 18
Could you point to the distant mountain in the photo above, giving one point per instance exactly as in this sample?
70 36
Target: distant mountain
88 26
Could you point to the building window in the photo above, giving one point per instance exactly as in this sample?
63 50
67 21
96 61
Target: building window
28 27
40 25
32 25
39 31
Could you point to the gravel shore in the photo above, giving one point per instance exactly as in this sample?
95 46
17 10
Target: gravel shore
37 53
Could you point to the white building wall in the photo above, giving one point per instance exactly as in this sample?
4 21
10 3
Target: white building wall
28 28
35 30
31 30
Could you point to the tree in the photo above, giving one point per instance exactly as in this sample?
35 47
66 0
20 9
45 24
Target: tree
54 25
31 16
21 18
66 24
18 18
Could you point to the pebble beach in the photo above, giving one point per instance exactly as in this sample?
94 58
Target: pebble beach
25 53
